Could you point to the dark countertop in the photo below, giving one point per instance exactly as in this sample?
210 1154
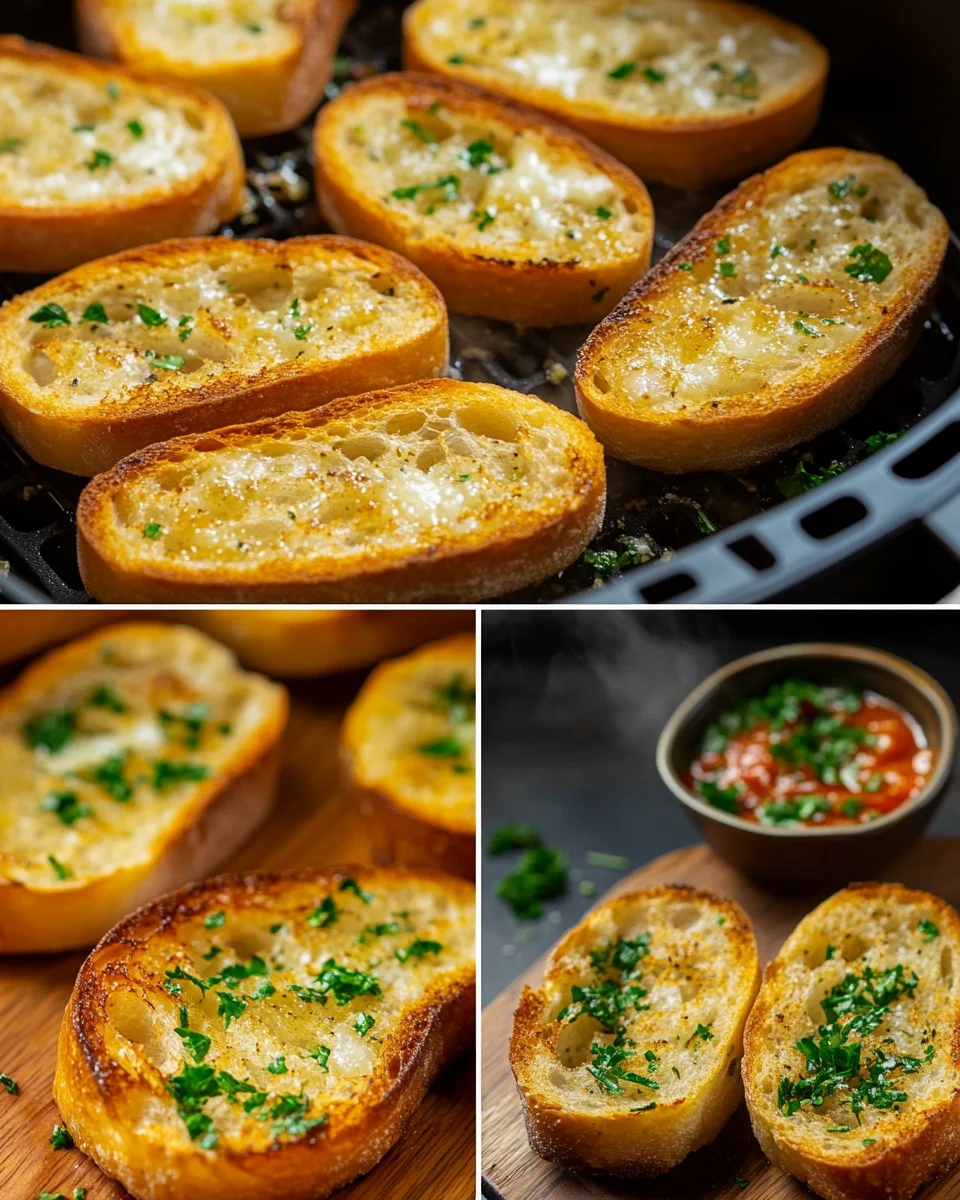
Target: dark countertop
572 705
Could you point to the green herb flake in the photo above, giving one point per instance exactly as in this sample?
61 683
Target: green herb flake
171 774
278 1066
603 213
513 837
541 875
135 128
50 316
418 131
10 145
230 1008
609 862
95 312
59 869
652 75
196 1044
324 914
350 885
443 747
929 930
149 316
60 1139
685 266
869 264
152 530
727 270
113 91
364 1023
66 806
417 949
98 159
322 1055
840 189
215 920
624 71
9 1084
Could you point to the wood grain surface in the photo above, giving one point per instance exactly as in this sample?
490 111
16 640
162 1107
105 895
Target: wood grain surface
316 822
733 1166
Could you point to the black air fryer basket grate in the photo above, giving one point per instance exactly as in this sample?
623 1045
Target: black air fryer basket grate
699 538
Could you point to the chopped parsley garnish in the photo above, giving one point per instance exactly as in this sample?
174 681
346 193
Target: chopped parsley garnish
166 362
478 153
443 747
418 131
324 914
67 806
197 1044
113 91
230 1008
624 71
929 930
150 316
869 264
364 1023
290 1114
456 60
723 246
726 799
609 862
51 730
322 1055
106 697
841 188
185 327
345 984
603 213
806 329
685 266
448 184
171 774
700 1034
262 991
605 1002
513 837
456 699
185 728
417 949
727 270
9 1084
487 217
212 953
152 530
135 128
50 316
607 1071
60 1139
99 158
789 812
350 885
95 312
215 920
652 75
541 875
10 144
59 869
301 332
278 1066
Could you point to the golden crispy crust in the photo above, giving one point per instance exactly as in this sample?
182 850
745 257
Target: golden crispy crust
684 152
46 240
922 1146
91 442
266 95
527 291
746 430
222 814
465 567
618 1142
98 1099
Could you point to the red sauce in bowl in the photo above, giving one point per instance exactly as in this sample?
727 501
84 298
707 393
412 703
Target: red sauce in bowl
810 755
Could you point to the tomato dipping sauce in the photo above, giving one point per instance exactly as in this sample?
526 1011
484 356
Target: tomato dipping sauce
805 754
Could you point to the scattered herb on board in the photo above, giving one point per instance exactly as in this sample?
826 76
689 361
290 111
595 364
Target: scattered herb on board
541 875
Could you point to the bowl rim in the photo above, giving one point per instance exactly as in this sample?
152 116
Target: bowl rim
844 651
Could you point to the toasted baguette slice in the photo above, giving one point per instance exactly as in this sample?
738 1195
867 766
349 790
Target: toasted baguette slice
772 321
409 748
371 992
132 760
525 221
295 642
886 1150
24 632
440 490
682 989
267 61
96 158
205 332
683 91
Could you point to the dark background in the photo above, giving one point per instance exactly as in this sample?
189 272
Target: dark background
572 706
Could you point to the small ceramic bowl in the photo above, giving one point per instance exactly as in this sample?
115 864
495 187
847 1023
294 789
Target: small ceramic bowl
806 858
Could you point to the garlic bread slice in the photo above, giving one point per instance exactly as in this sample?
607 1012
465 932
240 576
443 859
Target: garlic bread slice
851 1059
132 760
511 216
267 60
436 491
772 321
266 1036
626 1057
191 335
409 743
95 158
684 92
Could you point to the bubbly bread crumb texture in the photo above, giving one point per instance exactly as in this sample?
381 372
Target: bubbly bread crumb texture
270 1009
457 170
411 733
424 470
74 134
101 759
669 60
181 318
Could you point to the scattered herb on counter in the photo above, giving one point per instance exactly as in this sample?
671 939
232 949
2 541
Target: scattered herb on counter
609 862
60 1139
9 1084
541 875
514 837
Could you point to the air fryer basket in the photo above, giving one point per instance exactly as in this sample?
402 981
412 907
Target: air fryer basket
702 538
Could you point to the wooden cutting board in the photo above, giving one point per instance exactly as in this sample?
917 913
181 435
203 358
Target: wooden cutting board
315 823
511 1170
